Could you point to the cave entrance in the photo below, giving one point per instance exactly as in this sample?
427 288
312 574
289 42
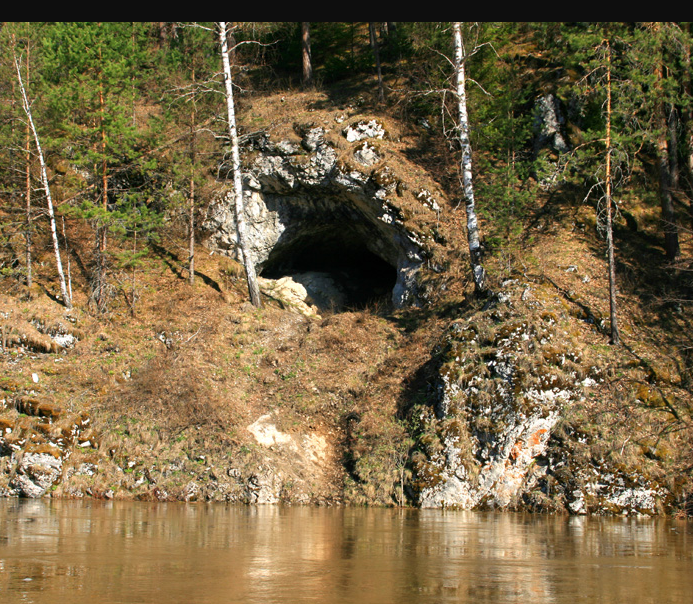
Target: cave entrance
335 266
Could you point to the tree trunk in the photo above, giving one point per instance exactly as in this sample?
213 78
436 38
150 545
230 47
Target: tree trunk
191 207
689 166
688 124
67 253
49 201
307 61
478 272
29 225
101 229
671 235
253 288
673 126
376 53
615 337
104 142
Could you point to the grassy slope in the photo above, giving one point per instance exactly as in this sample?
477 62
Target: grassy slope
172 390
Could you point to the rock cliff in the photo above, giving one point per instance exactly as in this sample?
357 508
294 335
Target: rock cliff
311 207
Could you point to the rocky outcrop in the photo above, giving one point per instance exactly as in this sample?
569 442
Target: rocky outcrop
35 445
307 293
35 334
304 456
508 377
549 125
36 472
493 418
308 208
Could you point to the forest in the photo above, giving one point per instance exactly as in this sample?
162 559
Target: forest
549 147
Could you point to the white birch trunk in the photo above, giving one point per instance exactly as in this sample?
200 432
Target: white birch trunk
44 179
29 225
253 288
613 307
478 272
191 201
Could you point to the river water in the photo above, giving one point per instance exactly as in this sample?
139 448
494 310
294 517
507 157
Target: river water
107 552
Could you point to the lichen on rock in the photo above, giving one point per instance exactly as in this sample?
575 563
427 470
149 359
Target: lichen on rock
508 429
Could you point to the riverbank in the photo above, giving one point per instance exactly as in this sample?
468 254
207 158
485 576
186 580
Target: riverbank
512 401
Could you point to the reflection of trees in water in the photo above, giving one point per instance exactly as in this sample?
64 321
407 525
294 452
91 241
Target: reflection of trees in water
123 551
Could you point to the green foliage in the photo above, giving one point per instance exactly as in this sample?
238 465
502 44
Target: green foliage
138 224
88 72
592 47
116 100
502 106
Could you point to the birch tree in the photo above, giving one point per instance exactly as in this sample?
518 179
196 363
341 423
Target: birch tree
27 182
27 194
475 252
615 337
253 288
44 180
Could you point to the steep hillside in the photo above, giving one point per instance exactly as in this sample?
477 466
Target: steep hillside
372 375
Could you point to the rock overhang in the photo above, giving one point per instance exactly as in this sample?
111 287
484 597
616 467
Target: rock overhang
307 209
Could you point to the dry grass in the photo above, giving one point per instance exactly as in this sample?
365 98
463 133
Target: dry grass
196 365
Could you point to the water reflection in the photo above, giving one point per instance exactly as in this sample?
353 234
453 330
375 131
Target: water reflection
139 552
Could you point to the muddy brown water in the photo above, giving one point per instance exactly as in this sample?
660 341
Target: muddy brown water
96 552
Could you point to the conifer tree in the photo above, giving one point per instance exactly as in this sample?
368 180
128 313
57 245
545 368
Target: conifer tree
655 57
608 148
90 75
671 237
376 54
306 55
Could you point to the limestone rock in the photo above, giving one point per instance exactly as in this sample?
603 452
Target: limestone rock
291 462
36 473
549 123
264 487
290 293
310 213
493 418
364 129
366 155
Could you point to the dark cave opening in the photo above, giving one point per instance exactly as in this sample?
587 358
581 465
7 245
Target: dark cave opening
327 256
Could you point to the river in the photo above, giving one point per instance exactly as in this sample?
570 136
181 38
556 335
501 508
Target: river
108 552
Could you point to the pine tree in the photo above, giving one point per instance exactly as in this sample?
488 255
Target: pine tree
607 151
191 73
90 80
655 57
306 55
376 54
671 237
503 131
